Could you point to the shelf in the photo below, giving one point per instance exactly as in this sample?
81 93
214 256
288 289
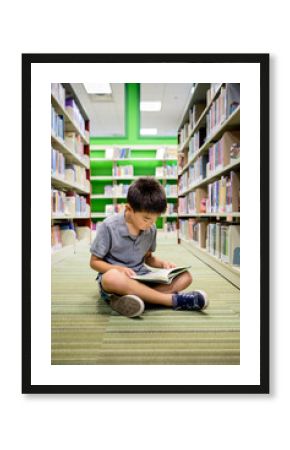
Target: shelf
201 119
231 122
223 214
70 124
101 215
99 178
210 178
133 147
230 272
61 183
100 196
63 216
133 159
198 95
71 157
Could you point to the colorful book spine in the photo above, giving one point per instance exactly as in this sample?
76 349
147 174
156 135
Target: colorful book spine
57 124
57 163
74 112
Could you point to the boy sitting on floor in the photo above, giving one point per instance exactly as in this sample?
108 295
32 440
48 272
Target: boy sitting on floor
124 242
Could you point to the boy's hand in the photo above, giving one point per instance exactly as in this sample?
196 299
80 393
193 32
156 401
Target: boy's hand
126 271
168 265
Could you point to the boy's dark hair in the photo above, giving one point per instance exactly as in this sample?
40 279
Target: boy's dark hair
147 194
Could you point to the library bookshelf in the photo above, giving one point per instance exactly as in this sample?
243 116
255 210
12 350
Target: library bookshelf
70 173
209 177
113 169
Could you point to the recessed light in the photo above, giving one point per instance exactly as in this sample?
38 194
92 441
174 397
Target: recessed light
98 88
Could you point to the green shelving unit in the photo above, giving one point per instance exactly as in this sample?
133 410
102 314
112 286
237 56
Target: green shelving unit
106 184
143 157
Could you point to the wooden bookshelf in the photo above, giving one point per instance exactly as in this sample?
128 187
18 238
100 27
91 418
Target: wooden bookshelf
209 107
144 159
75 158
230 272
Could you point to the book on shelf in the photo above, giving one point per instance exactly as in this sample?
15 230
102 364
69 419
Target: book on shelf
230 244
74 143
224 195
213 239
196 201
68 204
56 242
222 153
74 112
75 174
83 233
171 208
233 192
197 169
195 113
166 171
170 226
211 92
159 172
119 153
58 91
227 101
57 163
162 276
234 152
194 230
68 237
114 209
57 202
57 124
198 231
196 142
183 133
122 171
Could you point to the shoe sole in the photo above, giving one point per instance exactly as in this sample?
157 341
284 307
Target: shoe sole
128 305
206 300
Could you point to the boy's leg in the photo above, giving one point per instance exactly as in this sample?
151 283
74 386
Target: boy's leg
120 284
178 284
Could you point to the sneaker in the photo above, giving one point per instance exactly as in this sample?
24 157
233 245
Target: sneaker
191 301
127 305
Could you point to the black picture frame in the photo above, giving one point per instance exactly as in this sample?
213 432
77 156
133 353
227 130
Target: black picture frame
263 61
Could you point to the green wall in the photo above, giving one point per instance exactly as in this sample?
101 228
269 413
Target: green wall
132 124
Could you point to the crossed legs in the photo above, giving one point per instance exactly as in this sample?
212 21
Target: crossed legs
118 283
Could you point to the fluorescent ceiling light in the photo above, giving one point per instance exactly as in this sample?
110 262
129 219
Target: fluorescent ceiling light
150 106
148 131
96 88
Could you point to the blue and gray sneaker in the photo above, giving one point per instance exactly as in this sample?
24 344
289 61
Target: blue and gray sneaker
190 301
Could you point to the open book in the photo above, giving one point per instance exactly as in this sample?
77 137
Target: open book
163 276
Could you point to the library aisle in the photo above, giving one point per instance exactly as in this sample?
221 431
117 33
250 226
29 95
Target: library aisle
188 138
86 331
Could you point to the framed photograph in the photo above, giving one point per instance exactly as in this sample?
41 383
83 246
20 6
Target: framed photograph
157 126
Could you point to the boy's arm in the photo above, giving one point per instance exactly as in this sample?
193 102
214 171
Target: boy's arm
152 261
102 266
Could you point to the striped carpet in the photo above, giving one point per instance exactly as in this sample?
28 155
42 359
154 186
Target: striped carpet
86 331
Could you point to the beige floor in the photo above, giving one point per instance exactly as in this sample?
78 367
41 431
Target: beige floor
86 331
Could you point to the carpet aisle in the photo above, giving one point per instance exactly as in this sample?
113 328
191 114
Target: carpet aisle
86 331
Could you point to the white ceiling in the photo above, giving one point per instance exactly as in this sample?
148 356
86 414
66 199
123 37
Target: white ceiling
106 113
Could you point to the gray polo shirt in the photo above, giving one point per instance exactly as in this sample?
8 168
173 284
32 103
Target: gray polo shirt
115 245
